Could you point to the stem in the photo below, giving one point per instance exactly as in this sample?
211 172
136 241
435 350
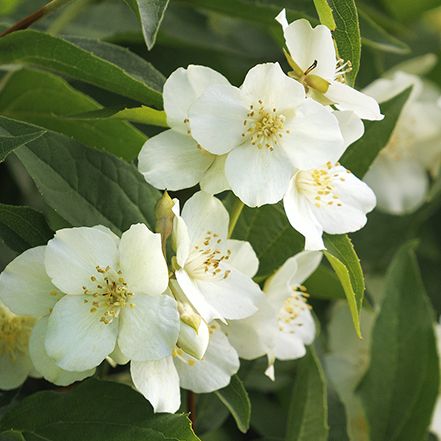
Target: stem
237 209
37 15
191 407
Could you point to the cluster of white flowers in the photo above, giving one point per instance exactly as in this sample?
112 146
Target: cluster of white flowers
275 137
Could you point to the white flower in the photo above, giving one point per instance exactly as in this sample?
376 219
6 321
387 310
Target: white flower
28 291
284 324
112 299
15 361
173 159
399 175
214 287
159 381
435 425
327 199
265 128
313 58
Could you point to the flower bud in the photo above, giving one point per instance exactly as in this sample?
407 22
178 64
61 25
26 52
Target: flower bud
193 341
164 218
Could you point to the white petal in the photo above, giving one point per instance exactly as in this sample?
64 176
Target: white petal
172 160
314 137
149 330
72 256
13 375
401 186
214 180
214 371
281 18
192 342
306 45
217 117
26 288
158 381
142 262
347 98
351 126
258 176
300 216
254 336
183 87
117 356
203 213
243 257
235 296
45 365
76 339
181 239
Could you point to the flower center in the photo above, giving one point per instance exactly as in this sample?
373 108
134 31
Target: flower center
317 184
205 258
265 128
342 68
14 334
290 311
111 294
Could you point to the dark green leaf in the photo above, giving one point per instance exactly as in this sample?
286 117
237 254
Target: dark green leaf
347 34
400 387
95 411
6 396
307 416
102 64
150 14
325 284
23 227
336 415
42 98
268 418
341 255
235 397
360 155
409 10
88 187
12 434
13 134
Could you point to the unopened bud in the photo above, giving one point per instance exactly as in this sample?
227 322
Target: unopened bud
164 218
194 341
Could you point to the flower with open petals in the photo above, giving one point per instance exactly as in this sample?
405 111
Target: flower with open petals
313 59
399 175
28 291
160 381
113 297
173 159
327 199
214 287
265 128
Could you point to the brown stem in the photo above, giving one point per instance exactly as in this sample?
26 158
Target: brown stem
191 407
26 22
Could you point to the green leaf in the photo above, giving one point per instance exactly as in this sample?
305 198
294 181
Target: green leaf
400 388
150 14
89 187
17 436
143 114
273 238
102 64
13 134
23 227
337 419
360 155
307 415
42 98
325 14
235 397
409 10
342 257
324 283
94 411
347 34
375 36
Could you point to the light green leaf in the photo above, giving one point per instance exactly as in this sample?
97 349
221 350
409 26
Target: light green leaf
102 64
360 155
88 187
342 257
235 397
324 283
401 385
273 238
95 411
143 114
375 36
409 10
325 14
13 134
42 98
347 34
307 415
23 227
150 14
